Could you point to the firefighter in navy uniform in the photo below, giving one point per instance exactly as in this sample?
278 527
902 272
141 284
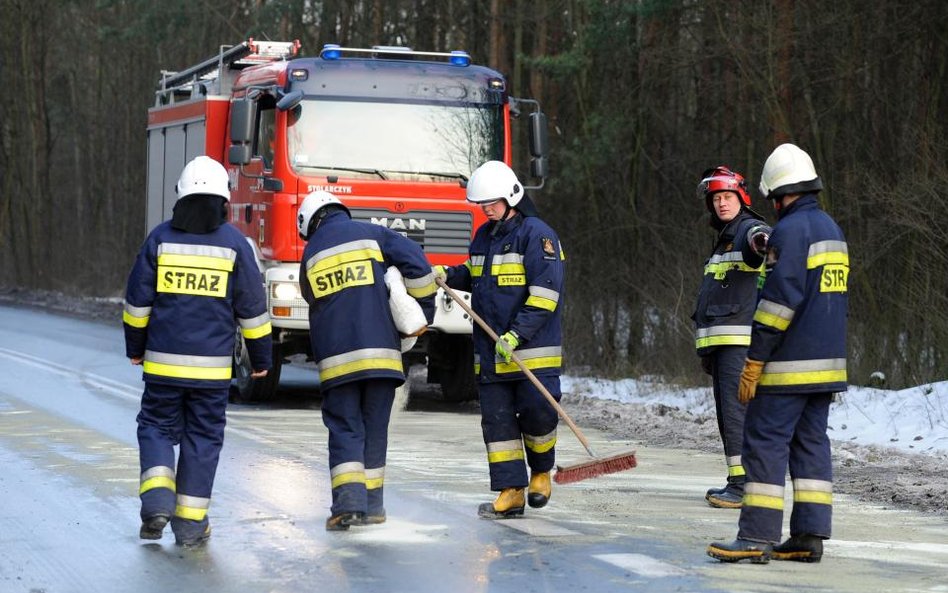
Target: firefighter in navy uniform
515 274
195 281
726 303
795 363
356 345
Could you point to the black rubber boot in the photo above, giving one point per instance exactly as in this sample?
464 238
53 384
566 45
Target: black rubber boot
153 526
374 518
730 497
801 548
342 521
741 549
189 540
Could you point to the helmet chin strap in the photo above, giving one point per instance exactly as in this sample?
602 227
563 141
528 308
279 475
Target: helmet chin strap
507 210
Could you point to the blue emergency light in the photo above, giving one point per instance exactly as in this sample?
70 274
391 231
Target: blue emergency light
331 51
460 58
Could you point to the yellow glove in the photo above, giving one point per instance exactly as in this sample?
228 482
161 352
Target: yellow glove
506 345
750 376
440 272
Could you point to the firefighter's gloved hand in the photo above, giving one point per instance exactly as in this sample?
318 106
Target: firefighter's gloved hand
440 272
750 377
506 345
759 243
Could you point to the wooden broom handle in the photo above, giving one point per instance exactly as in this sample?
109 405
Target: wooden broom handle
513 355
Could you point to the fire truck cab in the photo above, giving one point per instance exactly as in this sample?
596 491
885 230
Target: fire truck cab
394 133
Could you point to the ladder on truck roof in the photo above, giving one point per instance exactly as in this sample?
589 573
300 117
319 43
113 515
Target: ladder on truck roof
206 77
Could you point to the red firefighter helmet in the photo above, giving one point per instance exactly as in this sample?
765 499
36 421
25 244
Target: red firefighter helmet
721 178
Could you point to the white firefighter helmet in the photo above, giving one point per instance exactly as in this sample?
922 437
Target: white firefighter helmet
788 170
312 204
203 175
494 181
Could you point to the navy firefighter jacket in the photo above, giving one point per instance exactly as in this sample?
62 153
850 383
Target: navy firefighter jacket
352 331
728 294
515 273
186 296
800 324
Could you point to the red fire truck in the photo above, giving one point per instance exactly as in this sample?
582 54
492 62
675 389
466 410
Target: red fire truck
394 133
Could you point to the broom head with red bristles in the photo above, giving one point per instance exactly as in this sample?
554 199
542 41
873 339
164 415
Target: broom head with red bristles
595 467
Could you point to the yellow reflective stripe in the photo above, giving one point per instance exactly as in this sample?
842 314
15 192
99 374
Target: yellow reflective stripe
507 268
192 513
365 364
543 362
157 482
763 501
541 303
771 320
734 471
803 378
419 293
206 262
501 456
252 333
539 447
344 258
186 372
721 268
831 257
723 341
138 322
813 497
348 478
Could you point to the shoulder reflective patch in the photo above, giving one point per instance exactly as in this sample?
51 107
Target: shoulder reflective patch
834 278
194 281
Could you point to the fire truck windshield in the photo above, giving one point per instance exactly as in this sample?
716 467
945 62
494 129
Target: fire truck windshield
431 141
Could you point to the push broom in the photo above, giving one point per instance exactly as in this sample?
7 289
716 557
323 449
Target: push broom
598 466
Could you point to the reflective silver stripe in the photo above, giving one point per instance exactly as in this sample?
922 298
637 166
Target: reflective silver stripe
764 489
193 502
348 467
544 293
804 366
477 260
724 330
187 360
159 471
375 473
726 257
200 250
357 355
734 460
506 258
545 351
498 446
753 231
343 248
828 247
813 485
137 311
422 282
776 309
254 321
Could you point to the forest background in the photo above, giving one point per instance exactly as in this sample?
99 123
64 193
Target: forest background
641 95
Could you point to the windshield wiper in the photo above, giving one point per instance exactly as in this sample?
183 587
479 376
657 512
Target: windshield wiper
350 169
433 174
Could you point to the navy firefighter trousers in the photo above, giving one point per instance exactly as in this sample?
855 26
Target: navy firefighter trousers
194 419
357 415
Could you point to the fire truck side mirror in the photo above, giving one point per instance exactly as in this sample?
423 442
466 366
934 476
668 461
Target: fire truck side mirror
241 121
289 100
538 140
239 154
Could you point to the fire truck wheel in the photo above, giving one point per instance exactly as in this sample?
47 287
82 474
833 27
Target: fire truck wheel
244 389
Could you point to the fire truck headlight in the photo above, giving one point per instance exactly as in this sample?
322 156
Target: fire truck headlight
286 291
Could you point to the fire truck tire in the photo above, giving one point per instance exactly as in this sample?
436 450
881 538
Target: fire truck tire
455 367
244 389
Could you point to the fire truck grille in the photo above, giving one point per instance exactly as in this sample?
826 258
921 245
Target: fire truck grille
436 232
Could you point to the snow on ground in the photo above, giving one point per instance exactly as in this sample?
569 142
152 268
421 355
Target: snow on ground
913 420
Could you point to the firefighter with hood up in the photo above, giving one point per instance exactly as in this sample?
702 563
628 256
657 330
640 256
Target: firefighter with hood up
194 283
515 273
356 344
726 303
795 363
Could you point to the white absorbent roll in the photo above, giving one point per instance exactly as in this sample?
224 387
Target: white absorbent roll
407 313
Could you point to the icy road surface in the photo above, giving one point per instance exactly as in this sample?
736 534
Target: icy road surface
69 518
